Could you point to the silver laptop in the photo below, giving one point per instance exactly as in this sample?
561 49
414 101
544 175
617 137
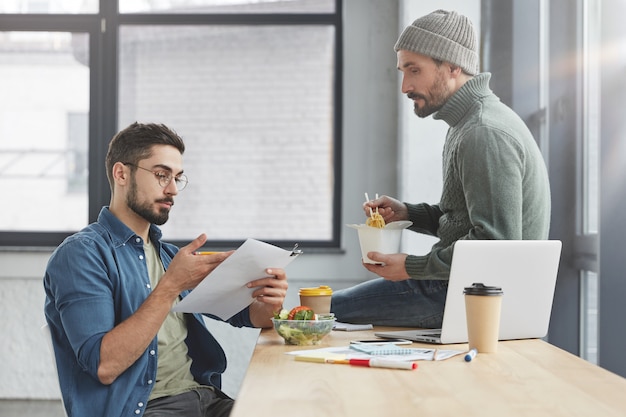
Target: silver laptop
525 269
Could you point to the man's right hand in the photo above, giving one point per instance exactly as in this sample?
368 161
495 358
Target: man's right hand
187 269
391 209
127 341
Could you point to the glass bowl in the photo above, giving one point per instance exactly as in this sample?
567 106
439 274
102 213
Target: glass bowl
304 332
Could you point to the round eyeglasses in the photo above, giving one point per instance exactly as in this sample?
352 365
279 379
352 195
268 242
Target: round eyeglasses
165 177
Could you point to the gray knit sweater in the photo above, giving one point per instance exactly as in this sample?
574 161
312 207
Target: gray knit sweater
495 182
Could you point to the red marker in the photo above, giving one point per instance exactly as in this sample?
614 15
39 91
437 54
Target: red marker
383 363
371 363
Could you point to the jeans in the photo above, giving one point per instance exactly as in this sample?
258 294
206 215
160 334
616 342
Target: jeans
199 402
409 303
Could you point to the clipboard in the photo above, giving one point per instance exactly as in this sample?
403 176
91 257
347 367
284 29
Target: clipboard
223 293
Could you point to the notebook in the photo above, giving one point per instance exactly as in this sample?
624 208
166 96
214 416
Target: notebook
525 269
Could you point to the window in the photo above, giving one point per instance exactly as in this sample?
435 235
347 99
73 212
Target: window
588 202
252 86
227 6
43 156
49 6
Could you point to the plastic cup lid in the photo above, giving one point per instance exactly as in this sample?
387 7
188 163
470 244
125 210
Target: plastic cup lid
321 290
479 288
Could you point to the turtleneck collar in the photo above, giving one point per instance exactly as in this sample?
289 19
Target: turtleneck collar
458 104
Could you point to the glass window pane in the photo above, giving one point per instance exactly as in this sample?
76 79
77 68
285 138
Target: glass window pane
49 6
227 6
43 122
591 108
255 107
589 319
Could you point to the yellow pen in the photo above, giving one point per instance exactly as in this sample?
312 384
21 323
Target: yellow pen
205 253
321 359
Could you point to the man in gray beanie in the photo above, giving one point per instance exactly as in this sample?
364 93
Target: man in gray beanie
495 183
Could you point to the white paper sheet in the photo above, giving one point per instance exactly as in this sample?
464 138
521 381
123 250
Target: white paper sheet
223 292
411 354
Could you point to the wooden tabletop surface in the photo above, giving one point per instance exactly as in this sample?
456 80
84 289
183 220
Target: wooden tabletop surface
524 378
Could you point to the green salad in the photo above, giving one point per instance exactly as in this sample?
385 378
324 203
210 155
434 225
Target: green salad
299 326
304 333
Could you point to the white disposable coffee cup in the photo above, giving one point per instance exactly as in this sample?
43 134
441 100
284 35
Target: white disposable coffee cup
482 309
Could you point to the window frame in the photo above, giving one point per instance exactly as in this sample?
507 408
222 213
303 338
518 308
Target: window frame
103 30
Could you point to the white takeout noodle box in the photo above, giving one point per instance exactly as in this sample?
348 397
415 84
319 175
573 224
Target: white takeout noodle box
386 240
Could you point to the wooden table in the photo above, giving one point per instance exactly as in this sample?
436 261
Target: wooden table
524 378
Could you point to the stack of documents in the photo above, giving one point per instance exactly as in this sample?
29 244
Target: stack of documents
223 293
411 354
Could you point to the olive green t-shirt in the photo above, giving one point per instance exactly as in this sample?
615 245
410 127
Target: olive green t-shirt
174 364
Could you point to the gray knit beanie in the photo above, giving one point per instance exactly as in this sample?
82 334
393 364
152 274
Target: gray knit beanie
443 35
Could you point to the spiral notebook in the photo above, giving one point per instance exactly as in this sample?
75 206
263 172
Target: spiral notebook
377 350
525 269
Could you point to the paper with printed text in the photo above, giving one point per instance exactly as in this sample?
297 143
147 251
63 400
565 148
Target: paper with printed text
223 292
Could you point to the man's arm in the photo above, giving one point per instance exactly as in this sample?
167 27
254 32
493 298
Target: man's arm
425 218
127 341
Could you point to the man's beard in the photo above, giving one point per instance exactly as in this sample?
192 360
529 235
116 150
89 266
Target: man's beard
438 95
145 210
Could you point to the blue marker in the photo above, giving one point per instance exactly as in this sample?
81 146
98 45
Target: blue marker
470 355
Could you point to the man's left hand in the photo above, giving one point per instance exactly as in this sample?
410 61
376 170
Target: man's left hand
269 296
391 267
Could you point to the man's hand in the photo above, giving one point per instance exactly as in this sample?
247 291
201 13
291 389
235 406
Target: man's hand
391 209
392 266
269 296
187 269
128 340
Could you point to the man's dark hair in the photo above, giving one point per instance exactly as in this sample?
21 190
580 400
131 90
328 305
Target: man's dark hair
135 143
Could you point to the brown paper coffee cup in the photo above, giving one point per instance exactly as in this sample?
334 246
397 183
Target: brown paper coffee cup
317 299
482 309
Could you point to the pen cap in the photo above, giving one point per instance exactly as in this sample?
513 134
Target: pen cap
317 298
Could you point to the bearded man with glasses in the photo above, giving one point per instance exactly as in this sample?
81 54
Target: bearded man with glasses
119 348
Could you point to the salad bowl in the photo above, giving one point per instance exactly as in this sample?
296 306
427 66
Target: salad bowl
304 332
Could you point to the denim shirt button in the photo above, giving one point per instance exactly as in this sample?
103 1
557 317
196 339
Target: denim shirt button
137 411
141 257
152 352
139 404
149 382
147 285
137 239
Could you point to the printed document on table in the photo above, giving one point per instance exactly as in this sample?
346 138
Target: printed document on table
348 352
223 292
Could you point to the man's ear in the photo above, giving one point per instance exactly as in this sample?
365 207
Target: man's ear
120 173
455 70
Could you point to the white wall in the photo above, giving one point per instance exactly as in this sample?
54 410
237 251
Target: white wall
370 164
25 360
421 140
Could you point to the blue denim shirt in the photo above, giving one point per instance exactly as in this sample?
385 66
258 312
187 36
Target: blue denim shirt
94 280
